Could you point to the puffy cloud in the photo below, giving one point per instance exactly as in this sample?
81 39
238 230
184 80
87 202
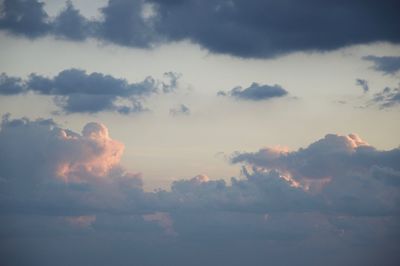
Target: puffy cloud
63 191
241 28
255 92
124 24
343 170
363 84
46 167
70 24
76 91
385 64
24 17
10 85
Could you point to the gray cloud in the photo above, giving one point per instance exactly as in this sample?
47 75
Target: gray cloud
75 91
66 192
255 92
70 24
387 98
240 28
24 17
11 85
363 84
179 110
385 64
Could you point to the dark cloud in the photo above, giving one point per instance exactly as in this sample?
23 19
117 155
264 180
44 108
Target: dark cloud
179 110
66 200
70 24
363 84
76 91
256 92
24 17
236 27
387 98
124 24
10 85
385 64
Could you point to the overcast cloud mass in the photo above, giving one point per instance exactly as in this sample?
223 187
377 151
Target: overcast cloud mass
237 27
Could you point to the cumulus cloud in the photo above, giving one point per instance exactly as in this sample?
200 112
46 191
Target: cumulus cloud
56 185
255 92
11 85
75 91
342 168
70 24
363 84
385 64
24 17
240 28
45 166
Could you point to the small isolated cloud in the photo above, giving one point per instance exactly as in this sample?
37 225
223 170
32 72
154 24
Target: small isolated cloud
75 91
179 110
387 98
363 84
255 92
386 64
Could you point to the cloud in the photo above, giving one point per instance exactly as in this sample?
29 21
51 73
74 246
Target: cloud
70 24
10 85
45 168
386 64
179 110
250 29
24 17
124 24
363 84
342 168
75 91
387 98
64 191
256 92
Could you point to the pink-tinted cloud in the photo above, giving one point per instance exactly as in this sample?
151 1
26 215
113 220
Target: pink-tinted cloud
95 154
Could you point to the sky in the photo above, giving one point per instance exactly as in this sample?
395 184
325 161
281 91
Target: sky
186 132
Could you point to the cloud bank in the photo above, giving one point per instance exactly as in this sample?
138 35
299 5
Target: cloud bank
59 186
75 91
241 28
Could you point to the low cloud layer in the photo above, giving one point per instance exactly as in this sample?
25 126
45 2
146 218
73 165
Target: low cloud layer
385 64
339 193
75 91
240 28
255 92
